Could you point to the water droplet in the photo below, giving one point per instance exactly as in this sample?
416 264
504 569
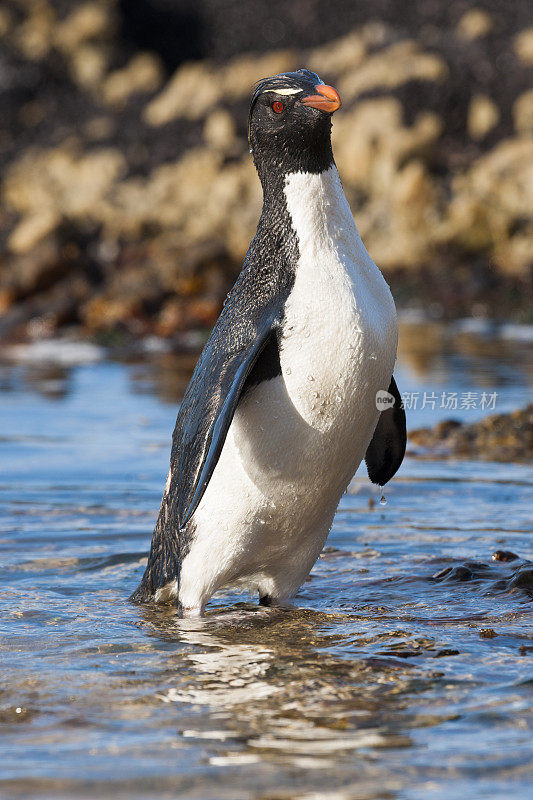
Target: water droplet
250 150
310 378
288 370
382 498
316 395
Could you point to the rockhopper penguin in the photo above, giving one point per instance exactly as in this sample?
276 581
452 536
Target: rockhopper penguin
281 408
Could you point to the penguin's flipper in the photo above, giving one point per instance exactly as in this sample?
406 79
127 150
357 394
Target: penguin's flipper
230 362
387 448
208 408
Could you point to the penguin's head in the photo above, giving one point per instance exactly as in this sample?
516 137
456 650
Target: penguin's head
289 123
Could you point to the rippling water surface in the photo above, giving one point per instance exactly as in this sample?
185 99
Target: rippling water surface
405 669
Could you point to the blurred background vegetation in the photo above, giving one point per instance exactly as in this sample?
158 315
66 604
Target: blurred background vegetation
128 193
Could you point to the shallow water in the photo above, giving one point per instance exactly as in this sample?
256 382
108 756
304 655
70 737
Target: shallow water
405 669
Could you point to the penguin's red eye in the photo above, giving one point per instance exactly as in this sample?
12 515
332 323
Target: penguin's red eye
277 106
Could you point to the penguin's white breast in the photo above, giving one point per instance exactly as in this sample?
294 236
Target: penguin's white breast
340 329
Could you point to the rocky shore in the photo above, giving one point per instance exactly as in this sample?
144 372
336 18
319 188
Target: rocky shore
499 437
128 193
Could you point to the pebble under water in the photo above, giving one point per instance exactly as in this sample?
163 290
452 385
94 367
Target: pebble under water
404 670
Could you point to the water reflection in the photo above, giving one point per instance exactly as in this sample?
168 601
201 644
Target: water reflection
52 381
449 354
271 679
164 374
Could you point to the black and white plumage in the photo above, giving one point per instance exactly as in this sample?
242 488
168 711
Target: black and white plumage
281 408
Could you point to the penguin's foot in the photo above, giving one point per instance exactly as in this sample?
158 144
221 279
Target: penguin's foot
267 600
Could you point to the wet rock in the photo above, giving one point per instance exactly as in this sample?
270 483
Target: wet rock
447 651
522 579
459 574
404 653
499 437
487 633
442 573
501 576
471 570
503 555
383 663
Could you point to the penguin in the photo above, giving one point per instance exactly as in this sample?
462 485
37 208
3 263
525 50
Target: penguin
281 408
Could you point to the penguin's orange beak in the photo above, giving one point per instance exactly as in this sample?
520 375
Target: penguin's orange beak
326 99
